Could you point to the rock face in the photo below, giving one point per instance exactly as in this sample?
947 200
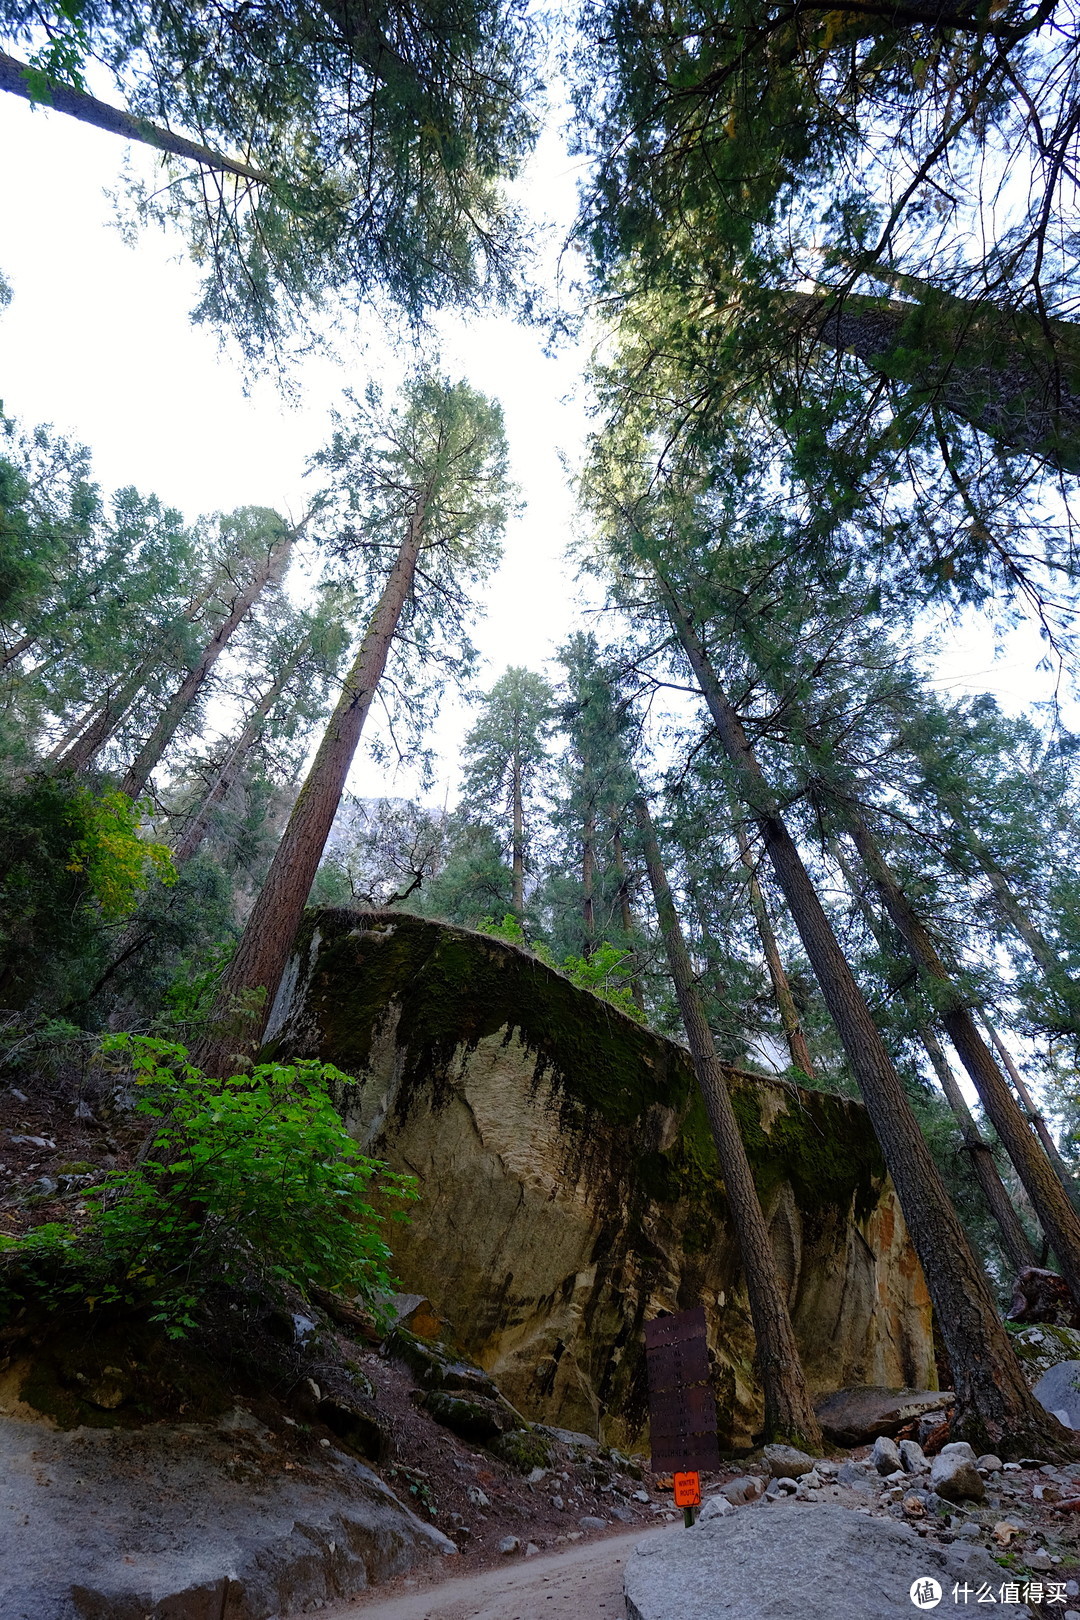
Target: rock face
851 1417
788 1560
569 1186
189 1521
1059 1392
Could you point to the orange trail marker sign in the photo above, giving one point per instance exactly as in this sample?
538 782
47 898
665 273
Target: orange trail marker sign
687 1490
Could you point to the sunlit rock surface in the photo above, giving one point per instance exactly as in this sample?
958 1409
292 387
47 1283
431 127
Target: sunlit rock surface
569 1186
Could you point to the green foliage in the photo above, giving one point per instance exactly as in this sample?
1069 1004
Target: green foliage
253 1173
118 863
599 973
509 929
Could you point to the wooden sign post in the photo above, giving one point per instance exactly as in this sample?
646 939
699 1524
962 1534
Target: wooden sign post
682 1407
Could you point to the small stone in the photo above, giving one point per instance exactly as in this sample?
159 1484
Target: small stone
1072 1588
508 1545
714 1507
591 1522
624 1515
557 1503
954 1476
785 1487
885 1456
1072 1614
969 1531
324 1442
43 1187
641 1496
785 1462
576 1535
1040 1561
477 1497
747 1488
531 1550
989 1464
535 1476
913 1507
1044 1491
913 1458
20 1096
1011 1468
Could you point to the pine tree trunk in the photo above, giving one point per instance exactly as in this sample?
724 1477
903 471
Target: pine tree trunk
199 824
994 1405
107 717
626 914
173 715
517 853
88 109
1055 1214
588 874
785 1001
16 650
1058 981
1013 1237
788 1412
271 928
1015 1240
1006 372
1037 1118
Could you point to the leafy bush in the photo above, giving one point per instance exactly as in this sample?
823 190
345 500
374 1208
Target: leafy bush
600 972
256 1172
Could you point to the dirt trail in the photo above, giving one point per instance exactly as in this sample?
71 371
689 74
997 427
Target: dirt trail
585 1583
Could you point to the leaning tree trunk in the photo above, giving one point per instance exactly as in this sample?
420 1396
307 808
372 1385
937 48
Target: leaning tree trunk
106 718
1007 372
788 1412
994 1404
1049 1200
271 928
178 706
199 823
1034 1114
626 911
785 1001
16 78
1013 1237
1058 981
16 650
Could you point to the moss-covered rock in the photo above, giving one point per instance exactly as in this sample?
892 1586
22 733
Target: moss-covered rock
1042 1345
569 1183
523 1449
473 1417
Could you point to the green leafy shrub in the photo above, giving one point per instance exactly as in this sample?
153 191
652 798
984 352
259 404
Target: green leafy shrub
253 1173
601 972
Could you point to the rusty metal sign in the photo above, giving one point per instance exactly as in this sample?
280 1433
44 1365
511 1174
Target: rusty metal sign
682 1407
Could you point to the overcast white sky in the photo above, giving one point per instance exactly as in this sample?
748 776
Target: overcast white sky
97 341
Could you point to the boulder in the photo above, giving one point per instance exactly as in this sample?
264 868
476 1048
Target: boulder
791 1560
954 1476
473 1417
886 1456
747 1488
357 1422
715 1507
191 1520
1059 1391
913 1458
854 1417
1042 1346
567 1190
785 1462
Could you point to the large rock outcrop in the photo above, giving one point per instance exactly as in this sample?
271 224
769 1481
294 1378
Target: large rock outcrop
569 1186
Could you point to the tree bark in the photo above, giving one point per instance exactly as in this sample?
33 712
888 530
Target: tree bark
1034 1114
1006 372
788 1412
517 847
108 715
271 928
198 825
1014 1239
785 1001
588 875
626 913
16 650
1049 1200
64 98
994 1404
172 717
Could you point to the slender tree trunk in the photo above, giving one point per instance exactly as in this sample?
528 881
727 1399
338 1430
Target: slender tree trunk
788 1412
271 928
1006 372
626 911
1014 1239
1055 1214
108 715
15 77
1034 1114
994 1404
588 875
1058 981
199 823
517 851
172 717
785 1001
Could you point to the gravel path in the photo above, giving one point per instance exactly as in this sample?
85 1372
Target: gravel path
585 1583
